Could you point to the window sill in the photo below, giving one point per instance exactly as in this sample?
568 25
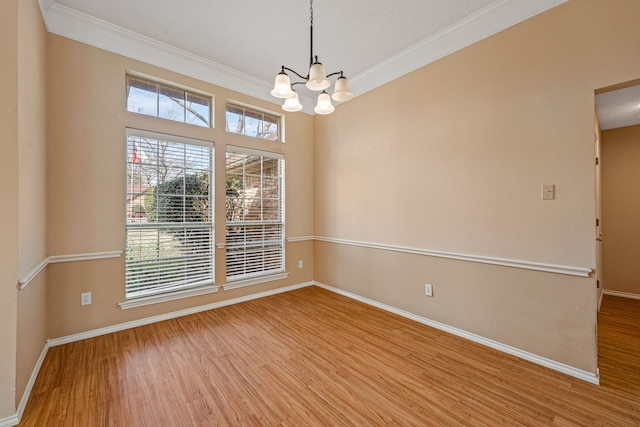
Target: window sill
254 281
156 299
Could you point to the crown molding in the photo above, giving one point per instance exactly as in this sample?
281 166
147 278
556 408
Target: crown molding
70 23
478 26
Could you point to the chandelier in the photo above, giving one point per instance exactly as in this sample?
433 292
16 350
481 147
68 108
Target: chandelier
316 80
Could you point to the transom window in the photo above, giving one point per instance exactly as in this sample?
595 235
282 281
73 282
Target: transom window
255 219
252 122
167 102
169 218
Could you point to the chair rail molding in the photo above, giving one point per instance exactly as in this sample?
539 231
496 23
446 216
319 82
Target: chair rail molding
506 262
24 281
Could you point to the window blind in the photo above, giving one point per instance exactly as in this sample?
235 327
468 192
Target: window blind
254 213
169 227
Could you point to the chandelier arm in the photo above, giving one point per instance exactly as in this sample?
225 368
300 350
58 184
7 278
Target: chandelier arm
294 72
335 74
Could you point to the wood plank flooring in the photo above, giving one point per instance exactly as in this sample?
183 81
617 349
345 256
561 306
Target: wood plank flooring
314 358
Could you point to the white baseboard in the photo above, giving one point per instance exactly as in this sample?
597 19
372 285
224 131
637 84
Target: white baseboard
159 318
560 367
621 294
15 419
600 298
10 421
32 381
590 377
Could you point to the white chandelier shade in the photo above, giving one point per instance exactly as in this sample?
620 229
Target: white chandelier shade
282 86
324 104
292 104
317 79
342 92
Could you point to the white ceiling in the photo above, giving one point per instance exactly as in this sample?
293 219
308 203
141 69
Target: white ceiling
241 44
619 108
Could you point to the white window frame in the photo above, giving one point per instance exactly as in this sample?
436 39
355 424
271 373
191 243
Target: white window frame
253 277
251 109
186 92
179 289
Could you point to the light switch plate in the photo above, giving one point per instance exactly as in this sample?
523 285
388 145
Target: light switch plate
548 192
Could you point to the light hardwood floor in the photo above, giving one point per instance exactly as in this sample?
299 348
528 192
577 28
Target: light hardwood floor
314 358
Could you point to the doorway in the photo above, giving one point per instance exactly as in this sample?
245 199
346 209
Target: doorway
617 147
617 140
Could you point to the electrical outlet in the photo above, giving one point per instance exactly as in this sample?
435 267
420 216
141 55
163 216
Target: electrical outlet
85 298
428 290
548 192
300 263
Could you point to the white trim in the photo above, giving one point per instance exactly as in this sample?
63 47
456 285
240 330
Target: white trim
159 318
67 22
32 381
27 278
144 76
490 20
15 419
254 152
621 294
234 284
299 239
590 377
600 298
168 137
156 299
279 114
527 265
11 421
84 257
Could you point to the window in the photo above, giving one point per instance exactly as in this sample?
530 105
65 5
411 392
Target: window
254 206
252 122
169 224
167 102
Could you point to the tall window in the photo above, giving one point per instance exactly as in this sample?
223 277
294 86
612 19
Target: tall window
169 224
255 219
167 102
252 122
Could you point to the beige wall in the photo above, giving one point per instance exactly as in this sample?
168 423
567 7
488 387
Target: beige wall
32 128
9 211
621 208
86 183
452 158
32 313
32 330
